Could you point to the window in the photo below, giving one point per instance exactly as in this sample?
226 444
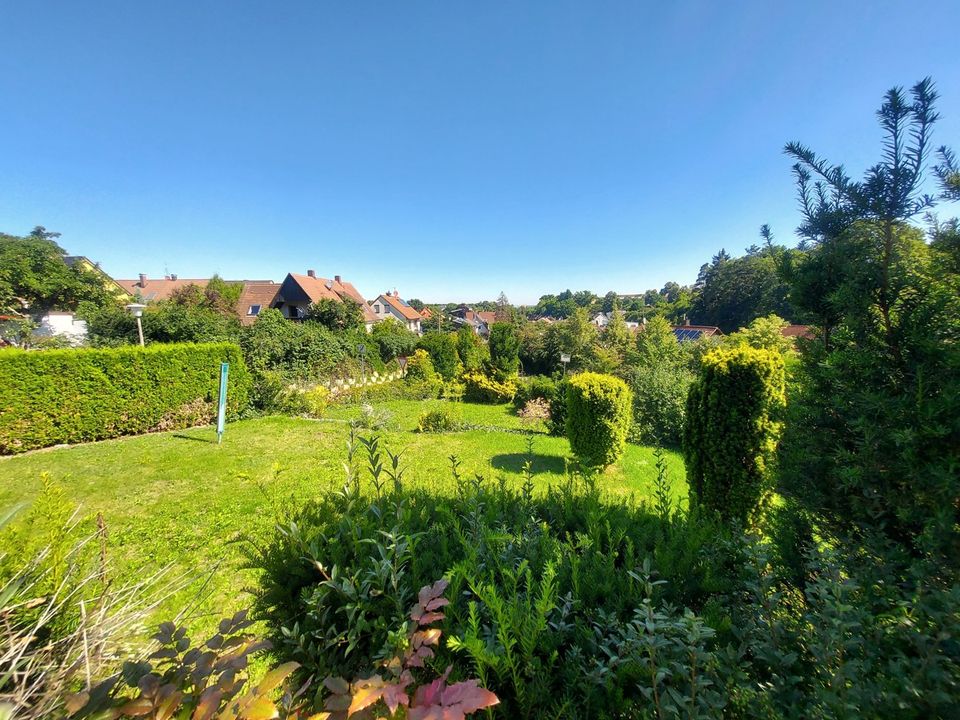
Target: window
376 308
253 310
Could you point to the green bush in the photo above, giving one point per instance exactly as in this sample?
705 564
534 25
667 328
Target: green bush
558 408
660 392
443 353
732 430
599 412
442 418
71 396
504 350
532 388
482 389
311 400
420 368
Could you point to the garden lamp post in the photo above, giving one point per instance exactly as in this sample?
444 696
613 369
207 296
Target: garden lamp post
136 309
565 359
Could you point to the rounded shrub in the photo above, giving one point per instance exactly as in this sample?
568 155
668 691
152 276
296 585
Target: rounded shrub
599 412
732 430
479 388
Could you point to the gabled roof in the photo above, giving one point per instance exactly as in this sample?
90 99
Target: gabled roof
803 331
488 316
256 292
400 306
426 313
161 289
695 332
87 264
318 288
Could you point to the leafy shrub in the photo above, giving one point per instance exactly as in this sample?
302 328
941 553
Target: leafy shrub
732 430
393 390
392 339
532 388
69 396
558 408
471 350
453 390
420 367
200 682
311 400
598 418
660 392
482 389
442 348
441 418
540 589
504 350
436 700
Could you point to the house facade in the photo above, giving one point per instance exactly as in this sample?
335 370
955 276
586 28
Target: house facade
391 305
479 322
299 292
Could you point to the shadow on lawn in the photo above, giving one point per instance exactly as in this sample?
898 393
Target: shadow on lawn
513 462
181 436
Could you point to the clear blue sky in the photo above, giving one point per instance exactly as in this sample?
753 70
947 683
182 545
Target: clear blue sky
450 149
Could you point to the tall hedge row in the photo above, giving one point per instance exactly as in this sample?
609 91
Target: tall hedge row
71 396
599 413
732 429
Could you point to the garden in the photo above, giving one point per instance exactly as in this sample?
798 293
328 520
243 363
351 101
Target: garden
734 527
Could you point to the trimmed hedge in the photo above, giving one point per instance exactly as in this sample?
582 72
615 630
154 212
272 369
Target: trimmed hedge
732 430
479 388
73 396
599 412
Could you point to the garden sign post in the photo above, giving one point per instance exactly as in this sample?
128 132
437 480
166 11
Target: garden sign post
222 412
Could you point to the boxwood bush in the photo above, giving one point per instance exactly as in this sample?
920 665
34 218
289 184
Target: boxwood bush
599 412
71 396
732 430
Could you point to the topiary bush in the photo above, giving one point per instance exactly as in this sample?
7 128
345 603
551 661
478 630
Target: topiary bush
732 430
72 396
442 418
599 412
482 389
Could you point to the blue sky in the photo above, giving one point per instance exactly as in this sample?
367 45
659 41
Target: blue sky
450 149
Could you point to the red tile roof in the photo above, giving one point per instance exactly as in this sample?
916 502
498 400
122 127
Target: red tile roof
803 331
318 288
161 289
262 293
400 306
488 316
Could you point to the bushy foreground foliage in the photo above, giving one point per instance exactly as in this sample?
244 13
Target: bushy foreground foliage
69 396
533 580
571 604
599 412
733 426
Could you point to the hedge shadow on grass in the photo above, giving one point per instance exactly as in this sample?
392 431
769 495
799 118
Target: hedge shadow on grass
513 462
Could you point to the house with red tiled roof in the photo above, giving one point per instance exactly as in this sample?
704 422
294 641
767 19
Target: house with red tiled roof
479 322
147 290
797 331
299 292
256 296
391 305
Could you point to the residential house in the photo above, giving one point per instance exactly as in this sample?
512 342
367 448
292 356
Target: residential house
479 322
63 325
257 295
601 320
299 292
391 305
112 286
798 331
689 333
147 290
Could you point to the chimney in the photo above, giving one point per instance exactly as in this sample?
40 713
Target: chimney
173 276
686 320
143 279
311 273
336 278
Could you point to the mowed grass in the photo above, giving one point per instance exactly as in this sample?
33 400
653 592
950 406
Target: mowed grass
182 501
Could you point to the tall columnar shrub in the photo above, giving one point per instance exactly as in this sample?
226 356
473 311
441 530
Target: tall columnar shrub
732 429
599 412
443 352
71 396
504 350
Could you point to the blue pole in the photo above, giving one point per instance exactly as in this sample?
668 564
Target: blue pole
222 411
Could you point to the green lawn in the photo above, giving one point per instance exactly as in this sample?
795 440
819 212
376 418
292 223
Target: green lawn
178 499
